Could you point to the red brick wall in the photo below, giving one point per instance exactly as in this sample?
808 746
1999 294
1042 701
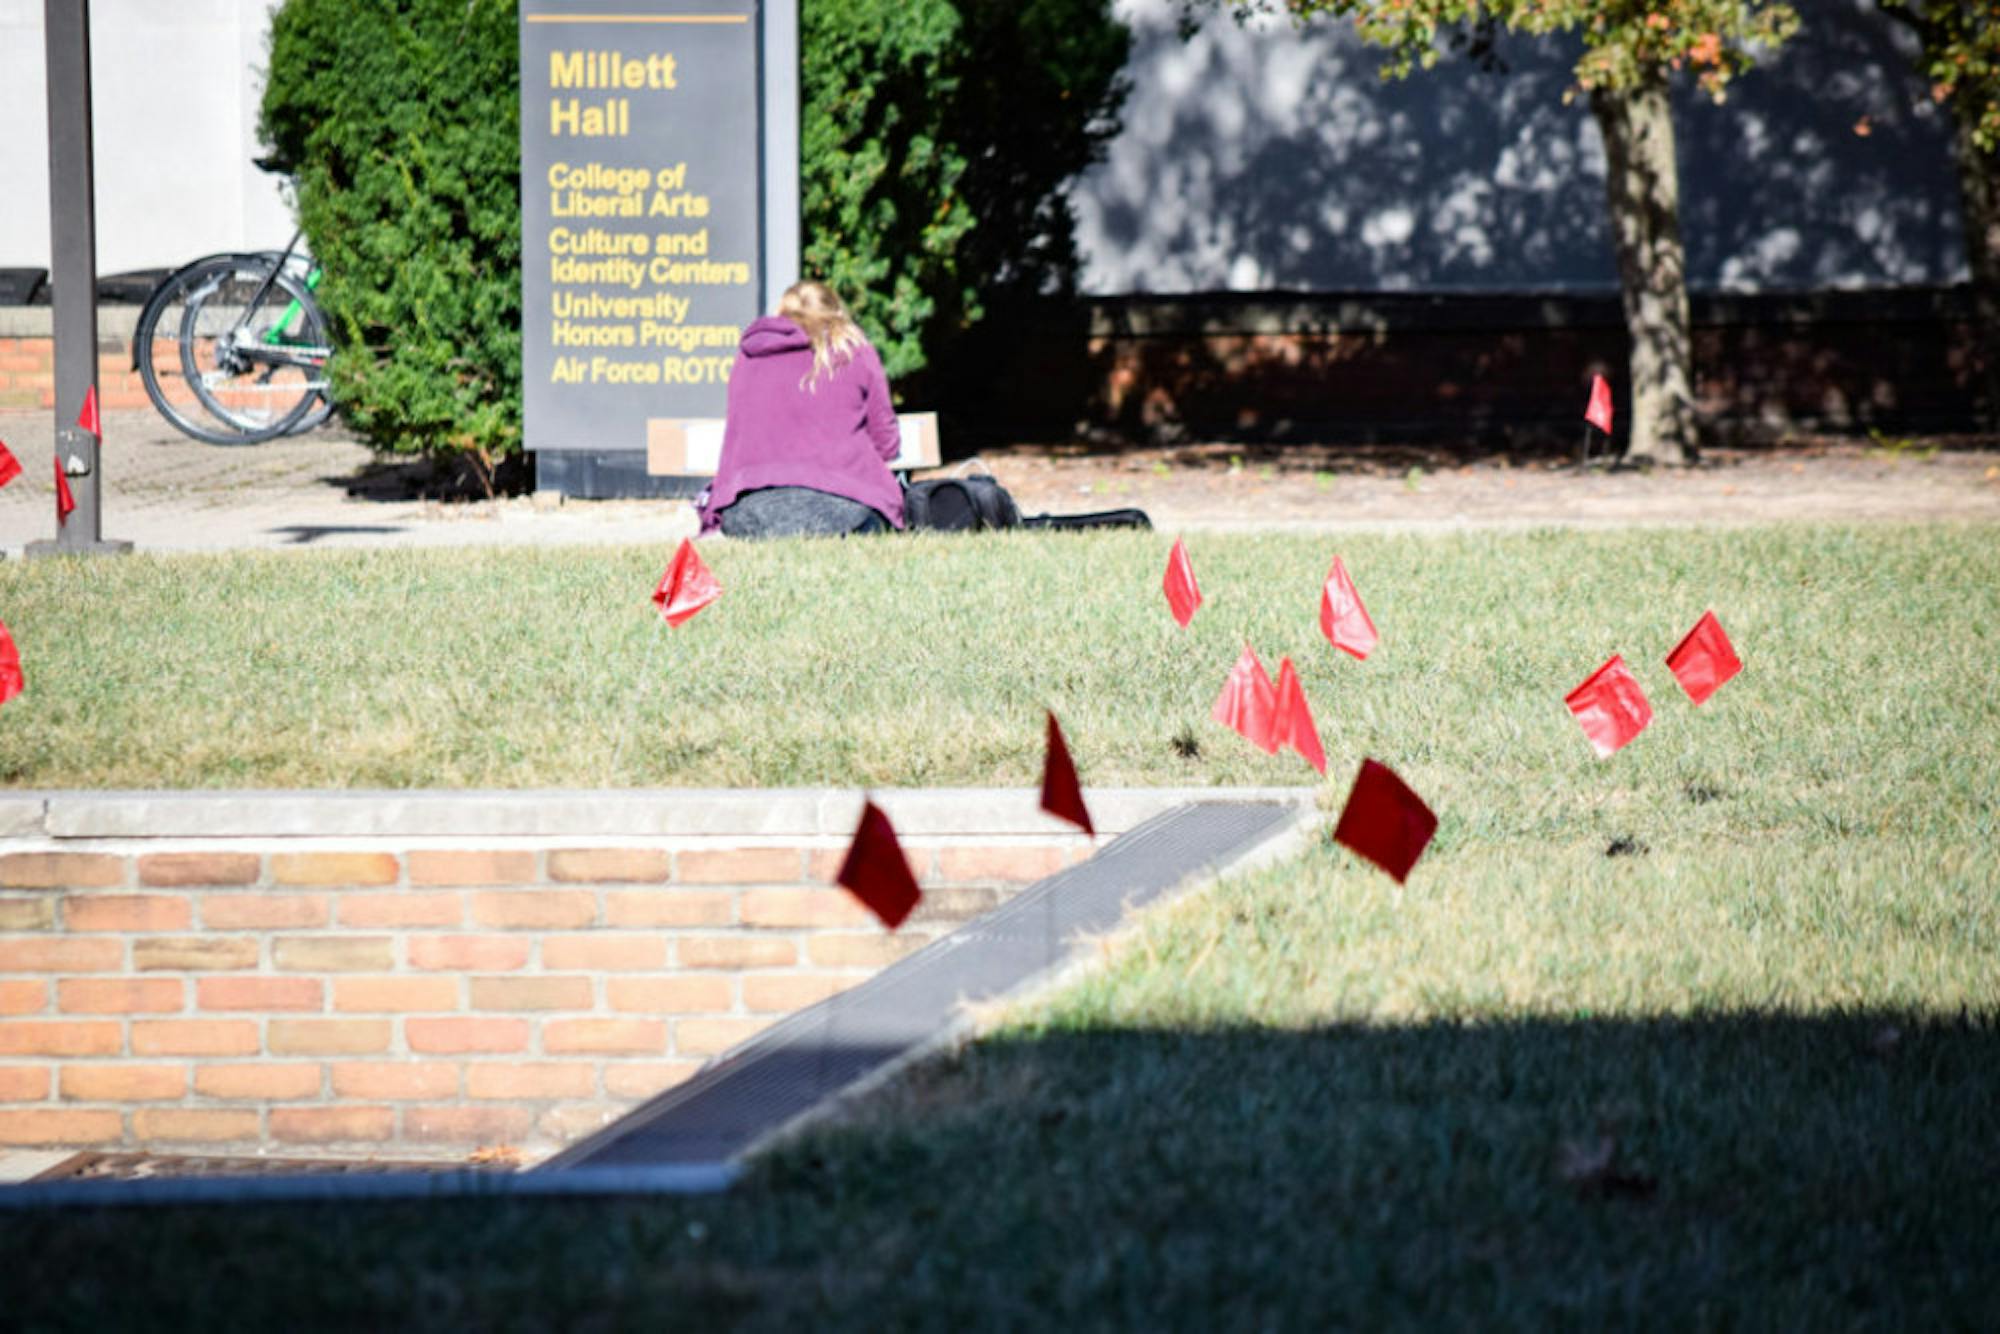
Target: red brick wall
27 373
421 1001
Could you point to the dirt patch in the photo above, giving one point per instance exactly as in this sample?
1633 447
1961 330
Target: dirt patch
1338 486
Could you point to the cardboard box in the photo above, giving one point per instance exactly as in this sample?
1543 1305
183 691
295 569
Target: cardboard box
692 446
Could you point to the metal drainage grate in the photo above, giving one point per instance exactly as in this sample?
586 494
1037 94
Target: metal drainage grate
794 1066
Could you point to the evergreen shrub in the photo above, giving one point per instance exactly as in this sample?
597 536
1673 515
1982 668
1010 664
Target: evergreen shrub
399 120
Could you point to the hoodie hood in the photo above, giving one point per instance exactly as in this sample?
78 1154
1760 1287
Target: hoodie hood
771 334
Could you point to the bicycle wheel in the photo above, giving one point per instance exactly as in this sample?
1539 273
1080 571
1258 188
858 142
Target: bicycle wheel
156 346
322 407
253 349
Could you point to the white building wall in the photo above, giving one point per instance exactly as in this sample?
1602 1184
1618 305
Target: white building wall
176 85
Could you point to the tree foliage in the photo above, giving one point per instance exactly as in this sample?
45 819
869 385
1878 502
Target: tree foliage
1961 58
939 136
1627 43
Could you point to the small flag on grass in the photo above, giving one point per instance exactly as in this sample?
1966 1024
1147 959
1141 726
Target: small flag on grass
877 872
10 467
686 587
1293 721
1610 706
1062 794
86 416
1342 618
12 682
65 498
1385 821
1248 703
1598 414
1183 593
1704 660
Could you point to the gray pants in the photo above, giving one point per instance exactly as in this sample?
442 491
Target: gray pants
797 511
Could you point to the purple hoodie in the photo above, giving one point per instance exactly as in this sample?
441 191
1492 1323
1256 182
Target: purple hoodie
837 436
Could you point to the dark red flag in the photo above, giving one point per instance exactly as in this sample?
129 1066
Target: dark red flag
1183 593
686 587
10 467
1610 706
86 416
1248 703
1384 821
65 500
12 682
1294 721
1704 659
1062 795
1598 414
1342 618
877 872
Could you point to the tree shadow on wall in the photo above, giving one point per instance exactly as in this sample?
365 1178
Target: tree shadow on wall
1274 161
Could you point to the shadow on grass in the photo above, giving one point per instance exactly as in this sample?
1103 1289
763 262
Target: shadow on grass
1763 1170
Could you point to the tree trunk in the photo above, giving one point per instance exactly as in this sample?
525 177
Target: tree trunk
1979 189
1643 185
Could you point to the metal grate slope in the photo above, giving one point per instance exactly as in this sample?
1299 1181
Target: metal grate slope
799 1063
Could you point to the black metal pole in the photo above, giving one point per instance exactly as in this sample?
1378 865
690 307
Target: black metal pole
73 276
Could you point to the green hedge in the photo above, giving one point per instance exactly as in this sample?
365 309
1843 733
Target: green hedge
400 121
937 136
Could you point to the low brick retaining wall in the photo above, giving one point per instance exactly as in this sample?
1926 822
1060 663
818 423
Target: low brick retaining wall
27 359
205 971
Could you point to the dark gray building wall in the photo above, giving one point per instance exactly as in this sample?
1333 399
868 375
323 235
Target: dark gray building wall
1267 158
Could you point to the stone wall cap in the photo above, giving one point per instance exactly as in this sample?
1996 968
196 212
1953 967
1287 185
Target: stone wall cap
560 813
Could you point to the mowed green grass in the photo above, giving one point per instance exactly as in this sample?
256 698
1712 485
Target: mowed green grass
928 662
1746 1072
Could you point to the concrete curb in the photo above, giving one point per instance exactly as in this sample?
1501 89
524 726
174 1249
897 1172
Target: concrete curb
698 1179
67 817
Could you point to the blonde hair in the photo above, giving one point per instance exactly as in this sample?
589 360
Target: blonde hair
815 308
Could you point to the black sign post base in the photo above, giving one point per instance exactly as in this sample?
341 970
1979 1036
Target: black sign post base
615 475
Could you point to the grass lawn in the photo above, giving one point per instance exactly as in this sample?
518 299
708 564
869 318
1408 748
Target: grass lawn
1745 1072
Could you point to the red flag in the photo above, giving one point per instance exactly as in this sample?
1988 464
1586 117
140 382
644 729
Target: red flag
1342 618
1062 795
86 416
686 587
1384 821
1610 706
12 682
877 872
1704 659
1598 414
1248 703
65 500
1183 593
1293 722
10 467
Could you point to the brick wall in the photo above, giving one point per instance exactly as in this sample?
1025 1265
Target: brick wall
27 359
421 998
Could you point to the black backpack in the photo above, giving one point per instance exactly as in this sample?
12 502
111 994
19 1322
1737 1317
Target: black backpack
959 505
968 504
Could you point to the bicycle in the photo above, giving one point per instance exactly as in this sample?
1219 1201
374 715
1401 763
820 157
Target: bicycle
242 337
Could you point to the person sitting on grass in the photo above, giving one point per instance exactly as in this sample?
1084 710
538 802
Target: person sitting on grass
811 430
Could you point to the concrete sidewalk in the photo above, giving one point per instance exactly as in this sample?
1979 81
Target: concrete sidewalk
165 492
324 490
